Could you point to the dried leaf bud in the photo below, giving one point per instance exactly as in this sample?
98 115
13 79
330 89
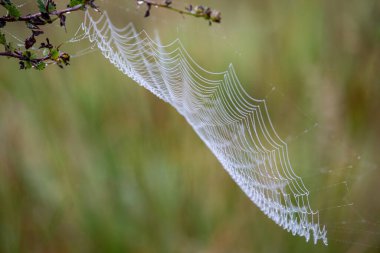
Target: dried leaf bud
199 10
216 16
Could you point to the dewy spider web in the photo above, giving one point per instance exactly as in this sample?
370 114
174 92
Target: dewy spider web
234 126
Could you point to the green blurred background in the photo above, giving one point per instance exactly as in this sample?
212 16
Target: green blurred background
92 162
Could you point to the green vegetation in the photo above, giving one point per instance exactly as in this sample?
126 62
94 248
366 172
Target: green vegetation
37 57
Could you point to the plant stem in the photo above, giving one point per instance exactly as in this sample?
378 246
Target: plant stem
19 56
167 6
39 14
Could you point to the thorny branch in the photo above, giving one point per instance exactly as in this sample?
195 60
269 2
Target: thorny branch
38 58
47 14
32 17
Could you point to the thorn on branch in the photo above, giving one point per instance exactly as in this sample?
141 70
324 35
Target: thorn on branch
62 21
147 12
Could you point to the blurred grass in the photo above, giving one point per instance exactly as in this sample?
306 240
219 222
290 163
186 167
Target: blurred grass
91 162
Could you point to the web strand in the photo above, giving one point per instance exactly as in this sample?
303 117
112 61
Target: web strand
234 126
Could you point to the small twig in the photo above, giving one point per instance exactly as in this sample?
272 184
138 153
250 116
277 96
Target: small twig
40 14
167 6
18 55
197 11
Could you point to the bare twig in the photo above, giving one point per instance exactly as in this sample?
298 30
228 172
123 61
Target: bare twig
197 11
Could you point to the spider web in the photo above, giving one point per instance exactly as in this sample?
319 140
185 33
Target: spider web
235 127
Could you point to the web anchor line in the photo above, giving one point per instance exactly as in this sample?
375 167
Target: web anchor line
234 126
